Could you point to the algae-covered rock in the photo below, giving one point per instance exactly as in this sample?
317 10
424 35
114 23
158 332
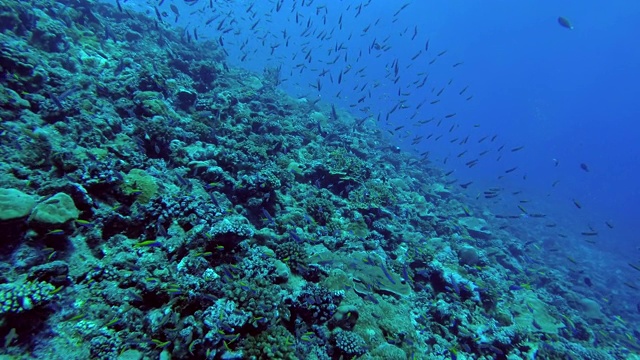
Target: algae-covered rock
281 273
48 34
337 280
532 313
388 352
15 204
476 227
133 36
591 310
254 83
440 190
346 317
367 273
92 62
11 99
150 103
130 354
56 210
424 208
468 255
318 117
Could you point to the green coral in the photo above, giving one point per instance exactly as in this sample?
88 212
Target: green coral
151 103
359 228
374 193
140 183
291 253
347 166
275 343
257 297
22 296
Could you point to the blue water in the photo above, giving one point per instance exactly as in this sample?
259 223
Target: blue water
567 96
563 94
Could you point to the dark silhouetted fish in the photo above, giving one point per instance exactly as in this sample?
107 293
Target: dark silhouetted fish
564 22
584 167
577 204
466 185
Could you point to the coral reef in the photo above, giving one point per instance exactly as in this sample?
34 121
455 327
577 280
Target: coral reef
159 203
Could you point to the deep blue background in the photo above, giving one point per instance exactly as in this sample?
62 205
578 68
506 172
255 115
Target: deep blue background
564 94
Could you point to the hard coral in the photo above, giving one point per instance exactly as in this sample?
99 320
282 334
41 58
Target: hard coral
21 296
291 253
349 343
142 184
316 304
274 343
